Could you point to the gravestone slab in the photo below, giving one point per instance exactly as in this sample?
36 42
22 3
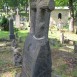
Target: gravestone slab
17 56
11 29
75 47
36 53
17 20
62 37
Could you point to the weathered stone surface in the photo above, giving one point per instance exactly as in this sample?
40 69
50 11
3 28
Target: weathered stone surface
36 58
43 4
36 53
17 57
40 16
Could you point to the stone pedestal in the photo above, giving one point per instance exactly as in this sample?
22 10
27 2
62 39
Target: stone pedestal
11 29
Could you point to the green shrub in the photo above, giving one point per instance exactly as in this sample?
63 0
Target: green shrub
4 23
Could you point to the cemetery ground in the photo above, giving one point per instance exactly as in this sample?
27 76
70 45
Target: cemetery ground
64 59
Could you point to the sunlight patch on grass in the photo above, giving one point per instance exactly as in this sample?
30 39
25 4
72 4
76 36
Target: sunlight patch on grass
68 35
3 44
23 31
67 48
71 36
70 47
8 74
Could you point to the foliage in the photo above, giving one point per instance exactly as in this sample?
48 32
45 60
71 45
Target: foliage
75 8
16 29
61 2
13 3
4 23
67 3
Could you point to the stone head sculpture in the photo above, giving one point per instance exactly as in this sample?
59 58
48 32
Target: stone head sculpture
37 53
40 12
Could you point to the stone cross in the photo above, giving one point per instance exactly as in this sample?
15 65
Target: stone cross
11 29
36 53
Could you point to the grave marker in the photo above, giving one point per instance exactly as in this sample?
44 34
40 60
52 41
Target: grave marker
37 53
11 29
17 20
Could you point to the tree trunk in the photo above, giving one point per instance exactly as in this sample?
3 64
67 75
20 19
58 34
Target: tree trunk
71 22
26 6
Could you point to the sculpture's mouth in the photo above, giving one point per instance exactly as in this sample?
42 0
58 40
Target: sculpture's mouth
38 38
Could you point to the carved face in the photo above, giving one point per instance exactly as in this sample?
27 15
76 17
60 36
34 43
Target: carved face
42 15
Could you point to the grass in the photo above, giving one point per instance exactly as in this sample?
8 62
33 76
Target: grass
5 34
7 68
60 58
23 34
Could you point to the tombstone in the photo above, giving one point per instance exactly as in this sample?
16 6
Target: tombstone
11 29
62 37
71 23
37 54
17 56
76 30
75 47
17 20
